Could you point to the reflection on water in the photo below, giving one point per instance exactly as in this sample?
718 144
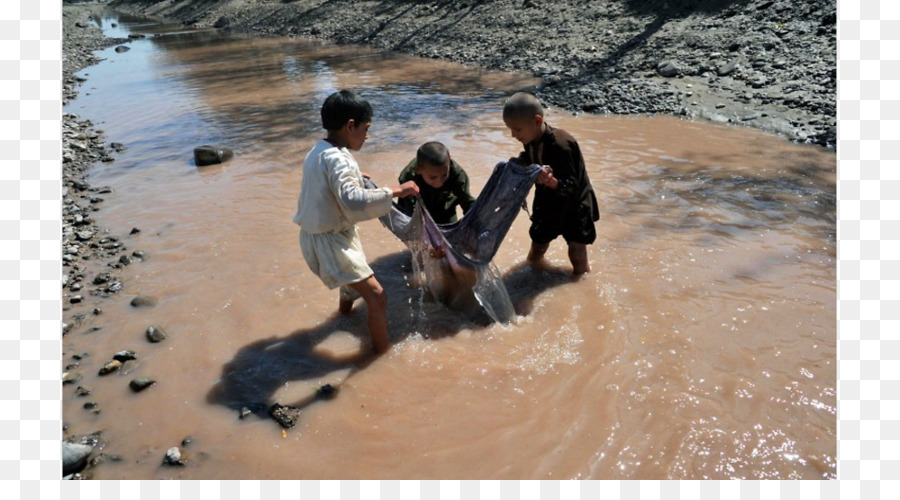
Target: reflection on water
702 345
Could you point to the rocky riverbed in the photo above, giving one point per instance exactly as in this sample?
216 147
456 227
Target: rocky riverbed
769 64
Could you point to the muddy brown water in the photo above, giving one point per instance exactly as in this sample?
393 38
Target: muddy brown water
702 345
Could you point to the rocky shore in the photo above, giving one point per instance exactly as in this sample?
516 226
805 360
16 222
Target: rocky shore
91 254
769 64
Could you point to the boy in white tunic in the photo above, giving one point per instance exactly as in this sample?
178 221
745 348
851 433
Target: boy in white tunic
333 198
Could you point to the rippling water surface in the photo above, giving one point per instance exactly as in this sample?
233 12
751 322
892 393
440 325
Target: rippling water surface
702 345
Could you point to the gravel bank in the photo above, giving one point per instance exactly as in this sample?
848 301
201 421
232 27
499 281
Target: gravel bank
769 64
91 254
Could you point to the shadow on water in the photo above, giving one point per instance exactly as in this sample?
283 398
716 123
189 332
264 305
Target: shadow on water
258 370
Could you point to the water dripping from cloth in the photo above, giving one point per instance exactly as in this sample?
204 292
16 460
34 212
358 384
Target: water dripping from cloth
465 278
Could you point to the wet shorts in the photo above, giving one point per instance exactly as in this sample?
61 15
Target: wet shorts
579 229
337 258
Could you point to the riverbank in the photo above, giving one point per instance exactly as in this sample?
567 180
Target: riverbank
91 254
765 64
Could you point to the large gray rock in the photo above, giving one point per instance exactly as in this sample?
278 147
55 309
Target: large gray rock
74 457
667 69
211 155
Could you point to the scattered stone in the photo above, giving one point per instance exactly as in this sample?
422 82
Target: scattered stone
156 333
727 69
122 48
173 457
74 457
103 458
187 441
286 416
124 356
222 22
139 384
81 391
143 301
134 230
326 391
71 378
110 367
667 69
102 278
211 155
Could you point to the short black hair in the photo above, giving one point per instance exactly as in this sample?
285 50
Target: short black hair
342 106
522 105
432 153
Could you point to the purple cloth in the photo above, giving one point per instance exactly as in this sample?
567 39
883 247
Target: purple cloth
470 243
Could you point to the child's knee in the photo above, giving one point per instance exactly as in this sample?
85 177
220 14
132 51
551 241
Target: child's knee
381 298
376 297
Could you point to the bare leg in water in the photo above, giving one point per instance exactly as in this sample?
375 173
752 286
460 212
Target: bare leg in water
536 254
376 311
578 258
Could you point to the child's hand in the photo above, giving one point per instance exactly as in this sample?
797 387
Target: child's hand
408 188
545 178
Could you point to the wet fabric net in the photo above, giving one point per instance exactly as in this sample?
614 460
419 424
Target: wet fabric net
465 279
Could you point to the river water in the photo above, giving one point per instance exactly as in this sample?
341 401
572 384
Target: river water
702 344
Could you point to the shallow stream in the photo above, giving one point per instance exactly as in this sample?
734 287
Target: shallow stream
702 344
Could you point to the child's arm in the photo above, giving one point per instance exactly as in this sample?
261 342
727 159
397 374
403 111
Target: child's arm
564 175
361 203
408 188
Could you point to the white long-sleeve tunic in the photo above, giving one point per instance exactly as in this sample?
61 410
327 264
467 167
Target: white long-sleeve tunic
333 196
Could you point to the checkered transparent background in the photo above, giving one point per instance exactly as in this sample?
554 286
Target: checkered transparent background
868 293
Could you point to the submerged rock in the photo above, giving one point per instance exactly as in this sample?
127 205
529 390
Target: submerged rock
143 301
211 155
326 391
155 333
141 383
